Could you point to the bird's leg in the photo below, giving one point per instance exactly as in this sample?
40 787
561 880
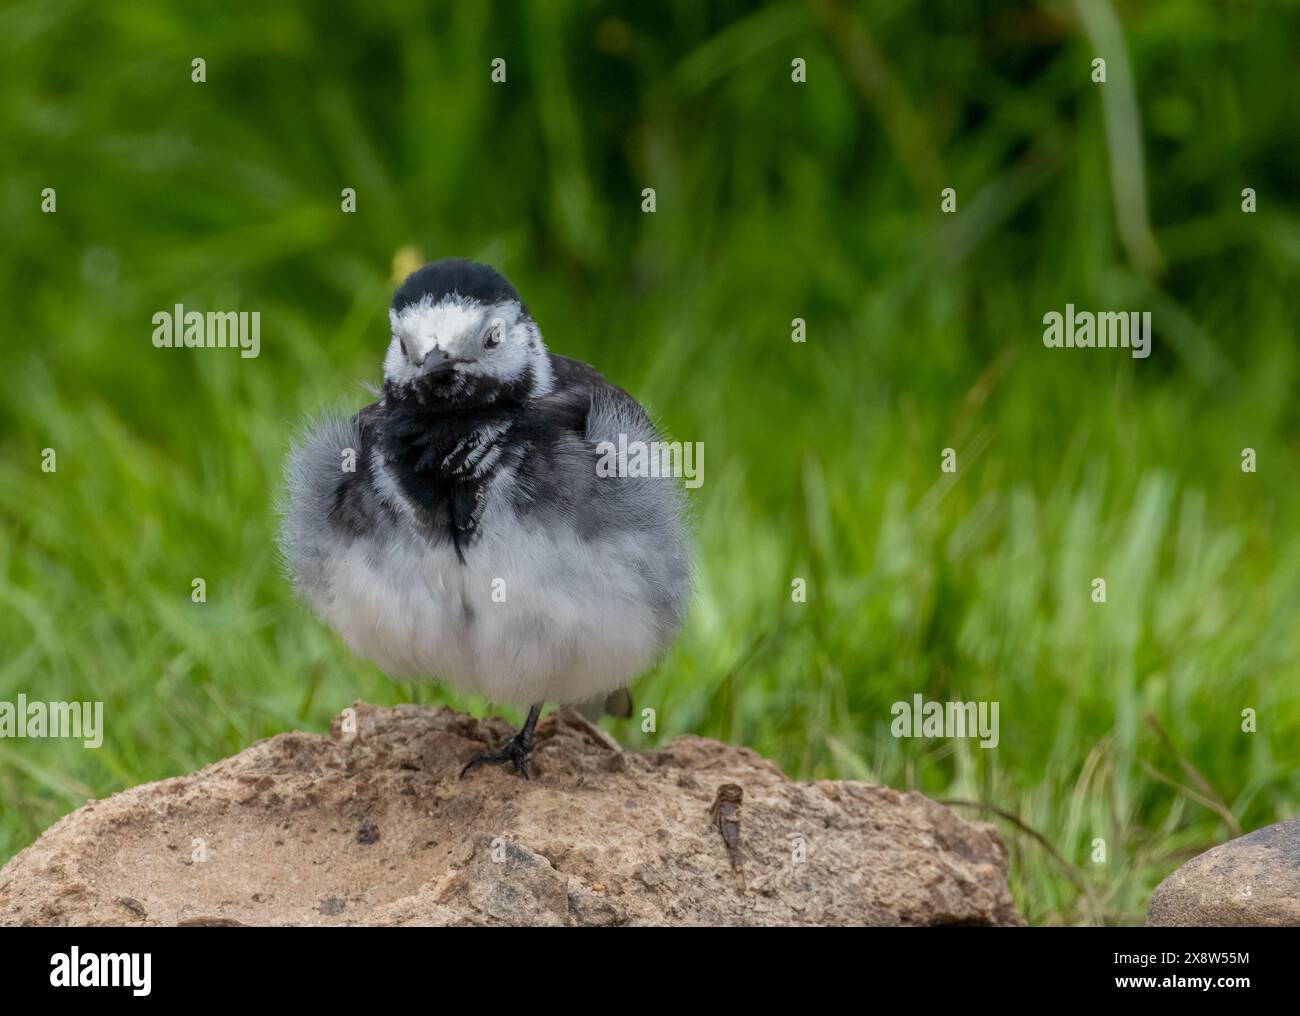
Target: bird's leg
515 751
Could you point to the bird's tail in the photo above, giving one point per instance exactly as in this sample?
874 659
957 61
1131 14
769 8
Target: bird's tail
616 703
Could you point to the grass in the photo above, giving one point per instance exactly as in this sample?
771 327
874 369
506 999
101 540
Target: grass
1120 722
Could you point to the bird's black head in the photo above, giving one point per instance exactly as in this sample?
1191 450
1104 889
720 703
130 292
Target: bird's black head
462 334
438 280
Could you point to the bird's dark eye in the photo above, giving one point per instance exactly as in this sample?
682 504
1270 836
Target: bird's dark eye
493 337
402 342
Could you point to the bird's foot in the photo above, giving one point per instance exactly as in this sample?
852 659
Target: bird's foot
512 753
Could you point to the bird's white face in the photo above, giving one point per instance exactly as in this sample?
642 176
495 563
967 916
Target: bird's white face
461 340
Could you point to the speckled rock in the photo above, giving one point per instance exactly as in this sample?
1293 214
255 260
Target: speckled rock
371 825
1252 880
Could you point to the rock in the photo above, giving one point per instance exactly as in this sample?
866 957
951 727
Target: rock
371 825
1251 881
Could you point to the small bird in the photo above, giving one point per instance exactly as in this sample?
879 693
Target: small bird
459 529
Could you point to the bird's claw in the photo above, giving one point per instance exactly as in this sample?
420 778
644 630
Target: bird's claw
513 753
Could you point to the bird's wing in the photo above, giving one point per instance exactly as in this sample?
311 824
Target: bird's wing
366 420
607 411
565 481
327 491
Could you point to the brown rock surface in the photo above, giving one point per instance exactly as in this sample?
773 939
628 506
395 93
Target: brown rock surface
1253 880
374 827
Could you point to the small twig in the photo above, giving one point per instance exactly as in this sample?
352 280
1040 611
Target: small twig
1207 797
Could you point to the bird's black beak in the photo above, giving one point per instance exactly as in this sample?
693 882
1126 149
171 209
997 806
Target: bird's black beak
435 361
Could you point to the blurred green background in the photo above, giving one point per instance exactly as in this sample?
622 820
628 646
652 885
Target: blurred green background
775 200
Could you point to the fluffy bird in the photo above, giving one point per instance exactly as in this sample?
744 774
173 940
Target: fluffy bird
459 530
